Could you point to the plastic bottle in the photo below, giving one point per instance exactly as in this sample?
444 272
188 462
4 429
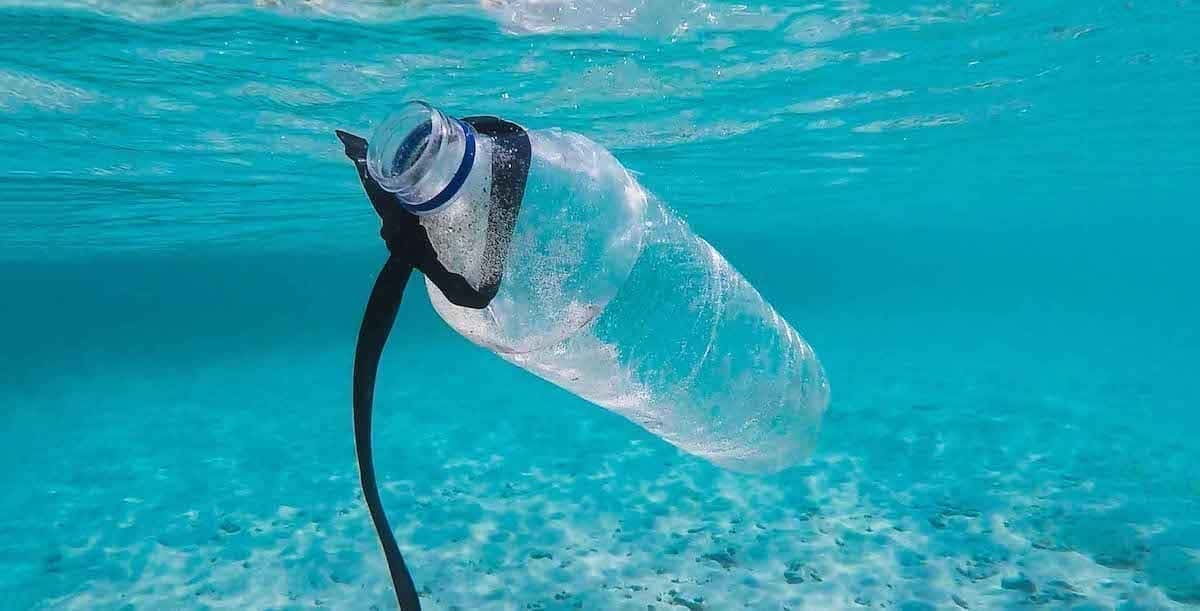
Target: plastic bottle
608 294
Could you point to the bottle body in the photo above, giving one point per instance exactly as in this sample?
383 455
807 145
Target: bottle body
609 295
689 350
606 293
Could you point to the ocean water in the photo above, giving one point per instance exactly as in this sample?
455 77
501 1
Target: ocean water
982 215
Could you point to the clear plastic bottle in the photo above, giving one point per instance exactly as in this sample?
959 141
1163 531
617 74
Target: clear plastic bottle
607 293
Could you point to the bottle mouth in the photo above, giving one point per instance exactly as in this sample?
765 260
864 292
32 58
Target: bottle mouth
421 155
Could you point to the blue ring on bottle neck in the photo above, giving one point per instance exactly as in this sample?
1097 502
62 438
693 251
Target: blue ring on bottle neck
456 181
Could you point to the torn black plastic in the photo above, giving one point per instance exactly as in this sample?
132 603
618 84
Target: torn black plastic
409 245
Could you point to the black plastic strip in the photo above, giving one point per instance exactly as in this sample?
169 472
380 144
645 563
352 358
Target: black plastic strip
372 336
409 244
511 154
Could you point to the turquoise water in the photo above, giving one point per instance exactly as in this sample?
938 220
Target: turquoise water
981 214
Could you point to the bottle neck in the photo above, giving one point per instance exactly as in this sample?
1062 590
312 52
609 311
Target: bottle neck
423 156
